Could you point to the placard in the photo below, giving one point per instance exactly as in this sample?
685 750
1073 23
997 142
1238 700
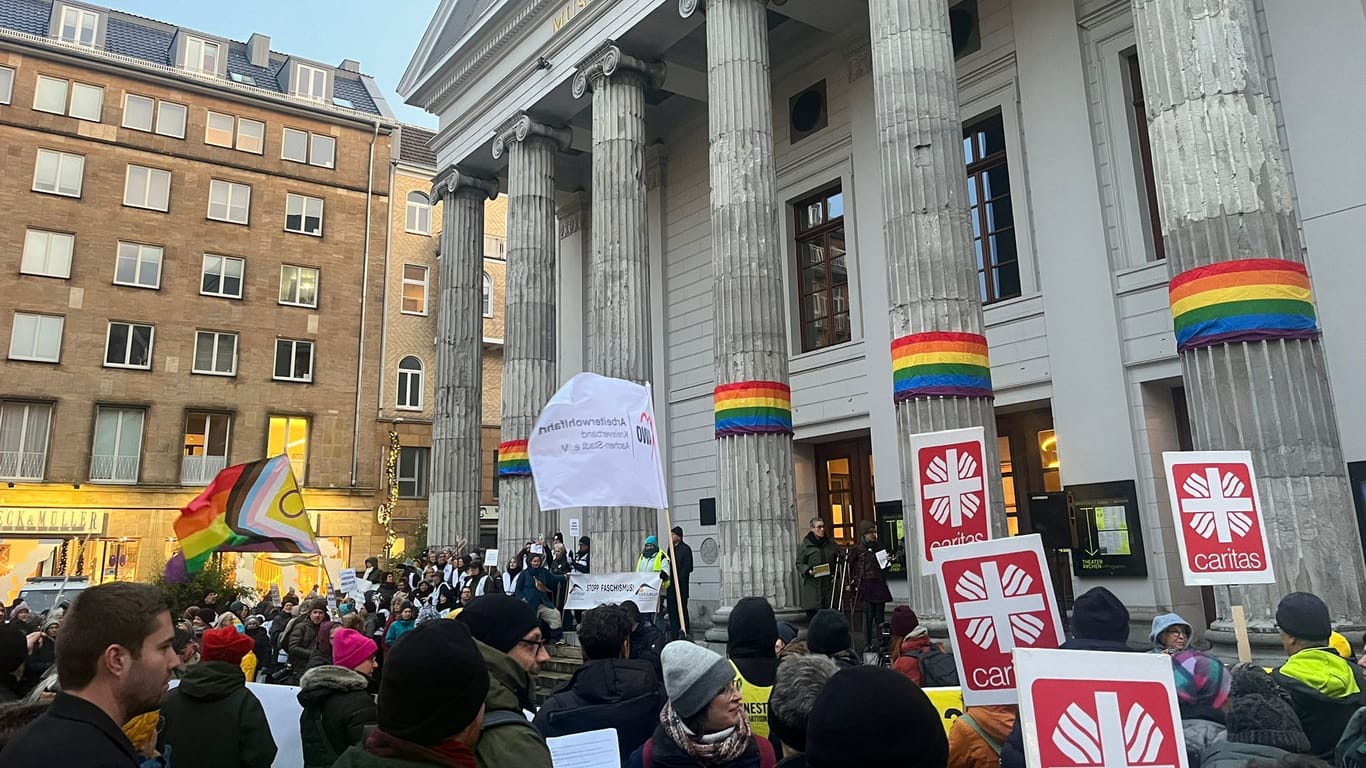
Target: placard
998 597
1088 709
951 490
491 558
574 530
1218 518
347 579
588 591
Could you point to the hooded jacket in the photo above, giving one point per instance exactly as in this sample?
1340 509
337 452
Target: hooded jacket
1161 624
300 639
811 553
211 720
509 746
967 748
1326 691
337 708
606 693
907 664
752 640
646 644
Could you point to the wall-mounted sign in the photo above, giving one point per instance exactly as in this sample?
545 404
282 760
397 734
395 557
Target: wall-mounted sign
1108 531
65 522
488 513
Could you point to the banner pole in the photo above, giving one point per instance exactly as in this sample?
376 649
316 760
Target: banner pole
668 523
673 567
1239 627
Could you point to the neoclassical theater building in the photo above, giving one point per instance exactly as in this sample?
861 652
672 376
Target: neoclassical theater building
1100 229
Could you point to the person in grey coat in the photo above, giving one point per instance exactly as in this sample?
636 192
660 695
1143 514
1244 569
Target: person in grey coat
816 552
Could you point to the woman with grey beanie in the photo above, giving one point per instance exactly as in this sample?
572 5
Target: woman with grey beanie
704 723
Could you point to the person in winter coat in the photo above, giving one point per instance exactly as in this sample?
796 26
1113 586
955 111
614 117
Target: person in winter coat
829 635
609 690
1170 633
536 587
647 641
1325 688
976 737
265 654
1261 725
372 572
910 641
704 722
1202 687
214 693
209 608
815 559
510 641
322 648
581 560
752 639
431 703
799 681
871 717
1100 622
336 701
682 570
301 636
404 623
874 593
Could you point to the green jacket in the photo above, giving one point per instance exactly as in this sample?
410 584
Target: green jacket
813 552
357 757
508 746
214 721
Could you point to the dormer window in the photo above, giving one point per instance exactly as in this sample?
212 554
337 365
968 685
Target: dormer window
310 82
79 26
202 55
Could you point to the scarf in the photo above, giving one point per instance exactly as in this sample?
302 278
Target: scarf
707 750
449 753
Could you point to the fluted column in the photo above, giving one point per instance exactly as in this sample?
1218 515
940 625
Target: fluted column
453 501
529 375
1253 364
756 493
939 353
618 306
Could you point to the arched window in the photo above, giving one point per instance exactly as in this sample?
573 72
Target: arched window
419 214
488 295
410 382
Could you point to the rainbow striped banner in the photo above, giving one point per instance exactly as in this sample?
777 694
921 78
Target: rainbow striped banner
1244 300
941 364
513 460
753 408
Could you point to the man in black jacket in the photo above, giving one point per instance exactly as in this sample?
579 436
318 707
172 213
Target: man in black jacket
116 660
1325 688
647 642
682 567
610 690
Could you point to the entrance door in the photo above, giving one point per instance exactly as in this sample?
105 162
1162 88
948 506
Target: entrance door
844 487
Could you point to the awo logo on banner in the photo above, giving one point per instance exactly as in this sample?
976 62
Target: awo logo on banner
951 486
1214 500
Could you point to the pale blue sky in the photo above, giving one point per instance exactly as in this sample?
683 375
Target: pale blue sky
381 36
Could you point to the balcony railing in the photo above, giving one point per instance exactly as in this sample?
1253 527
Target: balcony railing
22 465
114 469
199 470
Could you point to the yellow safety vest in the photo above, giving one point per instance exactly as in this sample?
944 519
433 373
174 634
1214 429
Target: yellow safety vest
655 564
754 698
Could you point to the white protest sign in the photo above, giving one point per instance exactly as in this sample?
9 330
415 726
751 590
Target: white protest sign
491 558
953 504
591 749
999 597
574 529
1218 516
347 578
588 591
1088 709
595 445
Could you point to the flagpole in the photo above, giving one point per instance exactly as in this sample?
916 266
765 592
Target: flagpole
668 524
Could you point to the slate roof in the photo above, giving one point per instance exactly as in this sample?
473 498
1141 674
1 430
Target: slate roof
415 146
153 41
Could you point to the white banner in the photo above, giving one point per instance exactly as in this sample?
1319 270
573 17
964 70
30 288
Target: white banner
595 445
589 590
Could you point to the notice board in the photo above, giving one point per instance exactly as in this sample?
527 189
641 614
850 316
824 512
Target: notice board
1107 530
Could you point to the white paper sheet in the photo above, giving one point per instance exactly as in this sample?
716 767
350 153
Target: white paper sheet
594 749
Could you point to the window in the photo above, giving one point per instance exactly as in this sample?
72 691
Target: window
293 360
323 151
304 215
991 209
235 133
1139 112
6 85
295 146
222 276
51 95
138 265
238 77
288 435
419 214
251 135
206 447
171 119
218 130
310 82
201 56
823 269
36 337
410 383
129 346
298 286
303 147
147 188
141 112
79 26
412 472
58 173
414 290
24 429
87 102
47 253
488 295
229 201
118 443
215 353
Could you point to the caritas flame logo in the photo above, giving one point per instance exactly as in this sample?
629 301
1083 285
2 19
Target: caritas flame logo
1105 724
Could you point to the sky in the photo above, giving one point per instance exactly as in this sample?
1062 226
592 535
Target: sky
381 36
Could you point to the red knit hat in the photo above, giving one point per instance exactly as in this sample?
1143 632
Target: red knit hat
225 644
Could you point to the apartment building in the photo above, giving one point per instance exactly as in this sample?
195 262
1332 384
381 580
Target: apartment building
193 255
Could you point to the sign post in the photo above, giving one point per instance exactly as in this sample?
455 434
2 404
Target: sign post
951 490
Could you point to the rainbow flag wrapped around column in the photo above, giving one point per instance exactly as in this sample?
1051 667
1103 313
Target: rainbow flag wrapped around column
513 460
940 364
253 507
753 408
1243 300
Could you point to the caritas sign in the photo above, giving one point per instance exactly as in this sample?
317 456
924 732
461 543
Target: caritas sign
1214 501
950 490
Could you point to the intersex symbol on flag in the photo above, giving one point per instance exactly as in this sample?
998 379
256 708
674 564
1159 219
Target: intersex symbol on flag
1218 506
999 606
955 487
1098 736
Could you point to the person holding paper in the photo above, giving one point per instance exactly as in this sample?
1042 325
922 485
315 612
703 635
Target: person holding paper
815 558
870 566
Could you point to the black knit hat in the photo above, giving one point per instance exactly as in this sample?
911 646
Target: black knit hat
1267 720
1303 615
1098 615
499 621
434 683
13 648
873 717
752 631
829 633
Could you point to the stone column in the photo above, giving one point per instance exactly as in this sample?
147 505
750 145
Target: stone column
618 301
942 379
453 504
756 488
529 375
1253 364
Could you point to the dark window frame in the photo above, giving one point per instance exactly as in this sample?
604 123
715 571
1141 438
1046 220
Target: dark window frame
1139 111
420 480
822 234
979 165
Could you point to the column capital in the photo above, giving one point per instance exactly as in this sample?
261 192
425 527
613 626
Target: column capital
521 127
607 61
686 8
452 180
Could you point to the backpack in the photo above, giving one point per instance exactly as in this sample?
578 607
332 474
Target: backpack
767 757
937 668
1351 749
503 717
994 744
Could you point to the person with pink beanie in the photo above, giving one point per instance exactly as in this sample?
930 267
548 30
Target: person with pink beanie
336 699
